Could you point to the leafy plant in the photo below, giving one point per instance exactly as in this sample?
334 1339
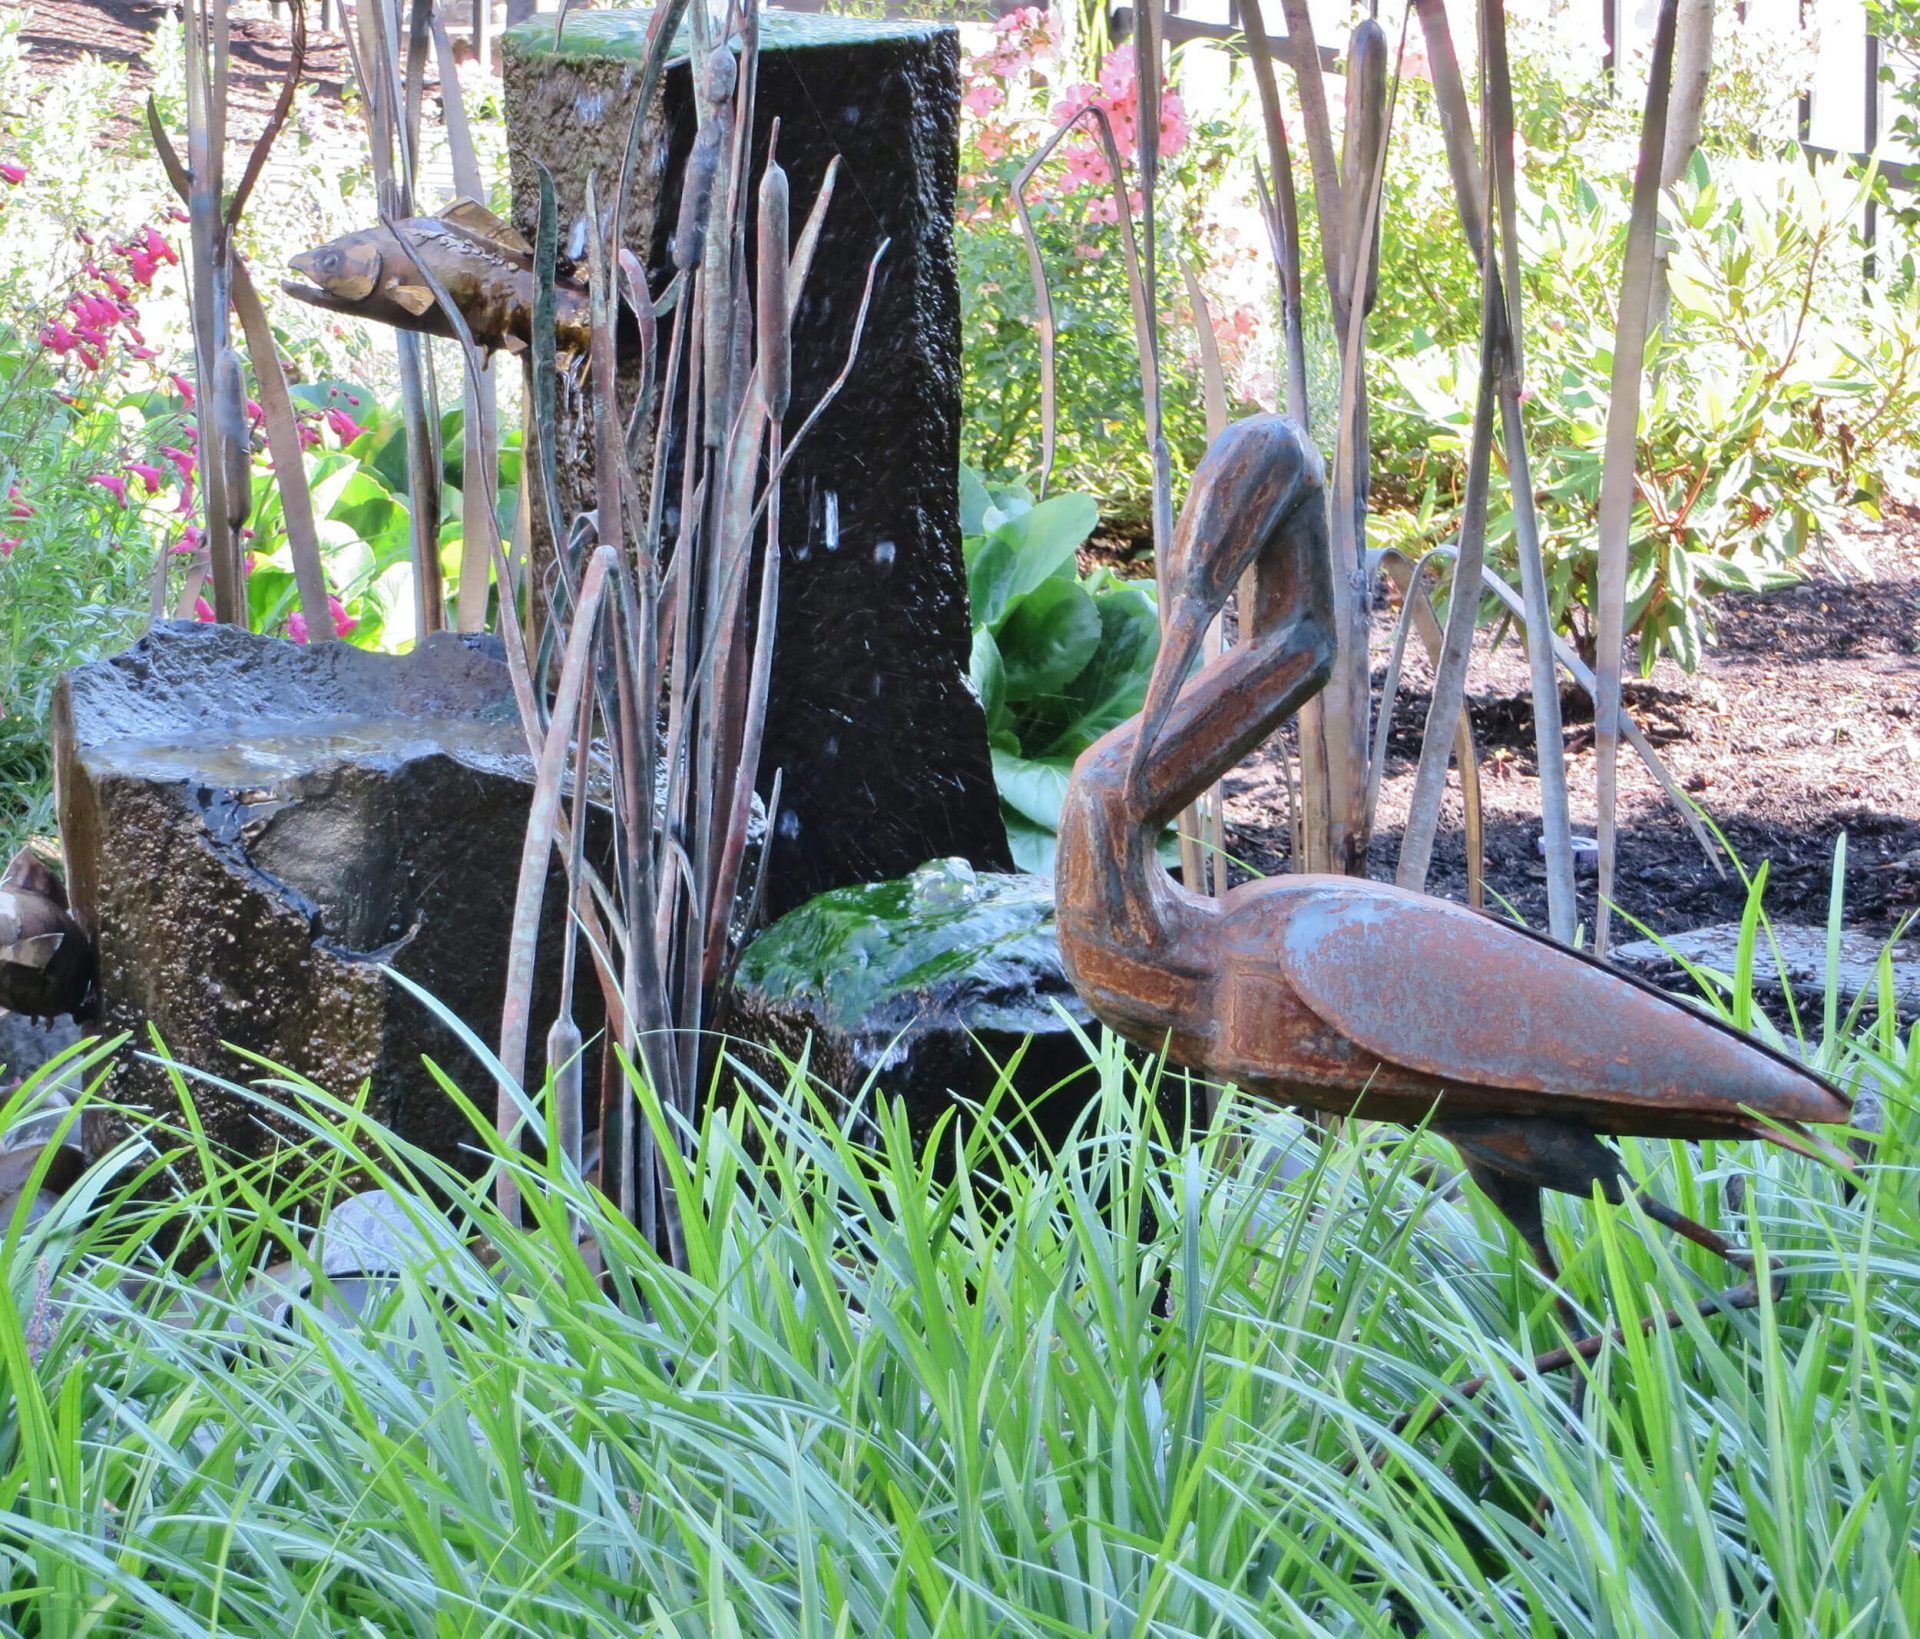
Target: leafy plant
1059 657
1782 386
1144 1383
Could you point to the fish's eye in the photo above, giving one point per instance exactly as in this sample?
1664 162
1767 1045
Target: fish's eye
329 261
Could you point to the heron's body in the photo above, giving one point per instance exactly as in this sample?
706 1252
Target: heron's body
1350 996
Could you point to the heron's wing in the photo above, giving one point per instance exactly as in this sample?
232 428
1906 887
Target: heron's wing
1446 992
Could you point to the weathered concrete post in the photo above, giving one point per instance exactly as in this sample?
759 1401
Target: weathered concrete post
880 740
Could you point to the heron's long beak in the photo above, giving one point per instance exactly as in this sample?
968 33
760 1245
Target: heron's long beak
1180 640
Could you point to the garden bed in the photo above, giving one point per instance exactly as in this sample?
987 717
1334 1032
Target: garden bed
1803 723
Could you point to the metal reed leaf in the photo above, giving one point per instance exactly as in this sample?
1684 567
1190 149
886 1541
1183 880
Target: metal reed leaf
535 858
1463 613
288 456
1043 295
1457 130
1282 210
1305 52
1417 615
480 427
1622 446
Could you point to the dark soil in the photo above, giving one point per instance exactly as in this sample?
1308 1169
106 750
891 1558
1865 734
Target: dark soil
1803 723
120 31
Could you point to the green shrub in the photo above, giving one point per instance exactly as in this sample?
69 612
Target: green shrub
1016 91
1059 657
1782 385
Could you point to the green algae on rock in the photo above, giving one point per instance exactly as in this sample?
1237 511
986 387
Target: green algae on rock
946 942
622 34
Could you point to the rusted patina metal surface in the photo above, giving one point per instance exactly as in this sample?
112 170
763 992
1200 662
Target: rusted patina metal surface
1343 995
483 264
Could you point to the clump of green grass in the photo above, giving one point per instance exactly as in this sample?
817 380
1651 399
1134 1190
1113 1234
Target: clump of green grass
1133 1387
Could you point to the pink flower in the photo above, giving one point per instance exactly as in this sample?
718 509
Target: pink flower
983 97
141 353
183 462
297 627
186 500
254 413
189 541
183 387
343 623
121 291
8 543
20 507
14 175
93 337
345 428
116 487
141 265
148 475
309 436
202 610
159 249
178 215
57 338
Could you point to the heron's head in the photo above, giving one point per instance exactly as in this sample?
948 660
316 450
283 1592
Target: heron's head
1257 478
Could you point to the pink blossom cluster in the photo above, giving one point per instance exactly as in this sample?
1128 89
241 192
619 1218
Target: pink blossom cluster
343 623
98 320
1118 97
1026 43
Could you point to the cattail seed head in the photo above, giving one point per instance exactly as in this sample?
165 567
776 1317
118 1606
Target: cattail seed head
696 190
776 341
236 440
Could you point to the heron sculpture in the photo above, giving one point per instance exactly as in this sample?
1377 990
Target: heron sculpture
1343 995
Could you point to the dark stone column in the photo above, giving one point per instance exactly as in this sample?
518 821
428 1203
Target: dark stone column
880 739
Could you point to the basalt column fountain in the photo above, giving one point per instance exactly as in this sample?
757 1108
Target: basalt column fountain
880 740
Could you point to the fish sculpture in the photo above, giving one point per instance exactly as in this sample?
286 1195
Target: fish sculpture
485 266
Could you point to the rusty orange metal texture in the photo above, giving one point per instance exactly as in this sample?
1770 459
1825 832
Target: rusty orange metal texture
1344 995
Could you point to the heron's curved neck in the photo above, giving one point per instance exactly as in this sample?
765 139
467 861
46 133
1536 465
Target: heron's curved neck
1236 701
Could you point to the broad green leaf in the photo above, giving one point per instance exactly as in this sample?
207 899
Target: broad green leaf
989 676
1113 685
1048 638
974 502
1022 552
1034 787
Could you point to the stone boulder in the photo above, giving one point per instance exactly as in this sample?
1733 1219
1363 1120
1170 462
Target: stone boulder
254 828
920 989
